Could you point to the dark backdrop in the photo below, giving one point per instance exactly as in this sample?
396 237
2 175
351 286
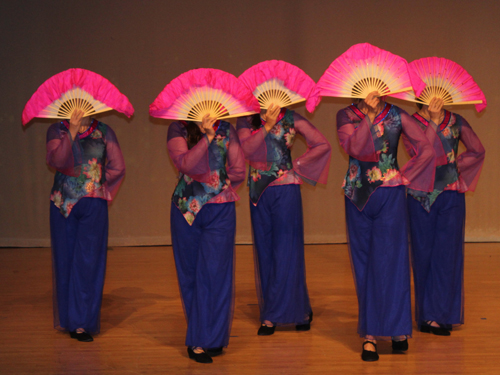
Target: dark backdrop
141 45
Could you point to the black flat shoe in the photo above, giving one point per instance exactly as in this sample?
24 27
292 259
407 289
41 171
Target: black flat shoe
81 336
400 346
265 330
439 331
369 356
202 357
214 352
306 326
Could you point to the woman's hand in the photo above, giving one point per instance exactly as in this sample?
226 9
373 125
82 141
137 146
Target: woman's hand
207 126
271 116
75 122
435 110
372 102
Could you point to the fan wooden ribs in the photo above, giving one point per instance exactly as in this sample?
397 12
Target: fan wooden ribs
72 100
200 92
446 80
275 92
277 82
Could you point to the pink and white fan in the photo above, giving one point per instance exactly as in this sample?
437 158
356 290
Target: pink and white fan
277 82
362 69
74 89
198 92
447 80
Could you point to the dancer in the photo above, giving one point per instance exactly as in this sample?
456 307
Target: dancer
276 211
90 168
437 222
203 224
376 215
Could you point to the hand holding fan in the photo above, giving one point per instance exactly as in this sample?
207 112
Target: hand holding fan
362 69
199 92
277 82
446 80
72 89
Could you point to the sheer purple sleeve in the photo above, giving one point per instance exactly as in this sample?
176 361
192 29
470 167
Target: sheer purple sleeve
434 140
63 154
235 160
420 169
314 164
194 162
408 146
115 166
253 143
471 161
437 145
356 140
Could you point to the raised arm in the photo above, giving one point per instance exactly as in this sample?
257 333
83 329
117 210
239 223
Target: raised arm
63 153
430 132
420 169
470 162
252 142
314 164
194 162
235 160
434 112
356 139
115 166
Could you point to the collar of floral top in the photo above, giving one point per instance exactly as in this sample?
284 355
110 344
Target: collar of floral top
90 129
380 117
444 123
280 117
215 126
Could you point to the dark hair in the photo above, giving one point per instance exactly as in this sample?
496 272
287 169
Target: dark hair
256 123
194 134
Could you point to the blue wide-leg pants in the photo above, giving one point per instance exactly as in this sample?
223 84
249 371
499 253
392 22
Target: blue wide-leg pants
204 258
437 243
378 245
278 233
79 244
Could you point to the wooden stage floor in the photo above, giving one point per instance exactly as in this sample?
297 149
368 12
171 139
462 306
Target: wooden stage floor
143 324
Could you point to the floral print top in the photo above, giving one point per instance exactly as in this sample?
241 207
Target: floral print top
269 154
372 150
457 173
90 166
209 173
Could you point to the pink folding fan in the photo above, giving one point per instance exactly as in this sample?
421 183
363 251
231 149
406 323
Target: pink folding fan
74 89
277 82
198 92
362 69
447 80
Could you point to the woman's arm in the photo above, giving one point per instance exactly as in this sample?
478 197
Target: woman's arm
356 140
436 114
314 164
193 162
431 134
115 166
420 169
235 160
470 162
252 141
63 153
